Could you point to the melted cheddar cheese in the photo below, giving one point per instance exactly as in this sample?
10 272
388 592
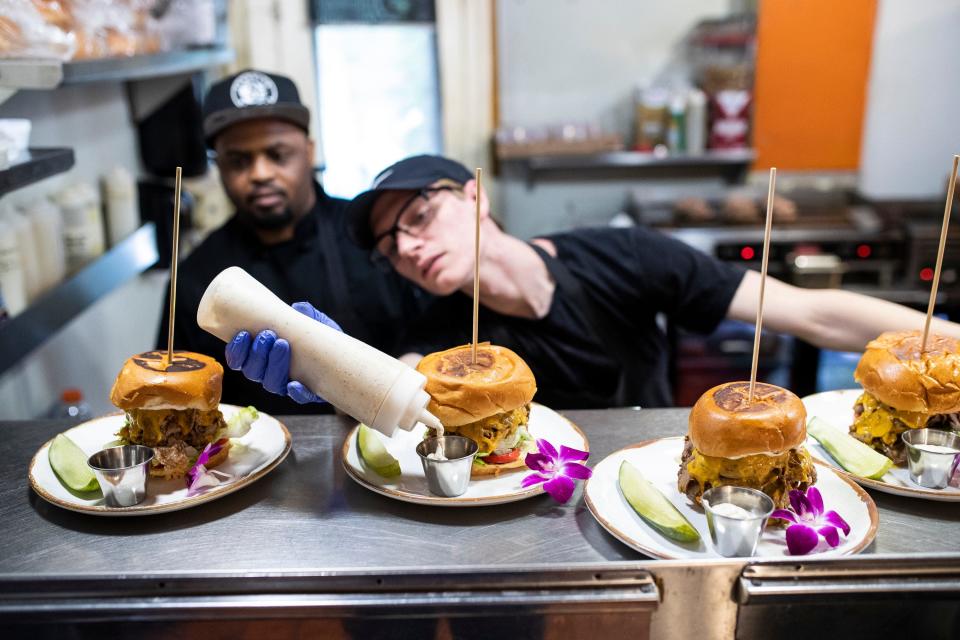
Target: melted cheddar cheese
877 421
489 432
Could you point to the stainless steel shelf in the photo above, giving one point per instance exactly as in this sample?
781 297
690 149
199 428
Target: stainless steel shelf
49 74
731 165
36 165
32 327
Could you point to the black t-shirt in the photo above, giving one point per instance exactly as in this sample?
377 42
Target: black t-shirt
320 266
629 276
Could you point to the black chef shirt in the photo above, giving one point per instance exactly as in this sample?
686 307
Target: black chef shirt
629 276
319 265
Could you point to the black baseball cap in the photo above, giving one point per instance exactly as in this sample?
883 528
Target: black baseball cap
248 95
416 172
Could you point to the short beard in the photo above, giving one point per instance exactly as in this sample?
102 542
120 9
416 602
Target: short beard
270 222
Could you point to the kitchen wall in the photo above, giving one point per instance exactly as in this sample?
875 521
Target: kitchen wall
579 60
94 120
912 125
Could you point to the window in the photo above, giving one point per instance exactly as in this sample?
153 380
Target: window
379 88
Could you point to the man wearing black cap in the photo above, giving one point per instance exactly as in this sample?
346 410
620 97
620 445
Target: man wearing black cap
581 307
287 233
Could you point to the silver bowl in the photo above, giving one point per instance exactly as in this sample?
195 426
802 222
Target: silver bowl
451 477
736 536
122 473
932 456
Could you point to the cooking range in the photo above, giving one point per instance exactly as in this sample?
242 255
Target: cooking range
887 250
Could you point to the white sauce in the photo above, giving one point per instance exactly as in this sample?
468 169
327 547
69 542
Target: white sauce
438 454
730 510
935 448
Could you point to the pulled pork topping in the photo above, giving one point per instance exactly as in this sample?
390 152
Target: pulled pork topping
775 475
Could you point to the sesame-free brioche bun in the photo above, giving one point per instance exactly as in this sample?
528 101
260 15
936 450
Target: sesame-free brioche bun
462 392
894 371
146 381
724 425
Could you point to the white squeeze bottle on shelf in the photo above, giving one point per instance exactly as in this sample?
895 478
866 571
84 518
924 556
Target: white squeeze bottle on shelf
23 230
11 270
83 235
361 381
48 241
120 197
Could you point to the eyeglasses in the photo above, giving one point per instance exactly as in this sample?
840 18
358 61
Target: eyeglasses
411 221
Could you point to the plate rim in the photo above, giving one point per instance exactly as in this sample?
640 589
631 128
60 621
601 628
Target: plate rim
439 501
892 489
138 510
868 538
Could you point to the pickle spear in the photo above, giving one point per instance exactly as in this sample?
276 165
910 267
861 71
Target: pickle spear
69 462
856 457
374 454
654 507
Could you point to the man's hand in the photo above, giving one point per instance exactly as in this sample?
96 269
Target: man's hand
266 358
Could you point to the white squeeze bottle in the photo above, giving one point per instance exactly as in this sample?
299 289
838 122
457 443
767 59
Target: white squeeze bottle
361 381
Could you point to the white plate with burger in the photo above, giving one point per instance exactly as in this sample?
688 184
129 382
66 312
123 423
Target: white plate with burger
659 461
900 391
487 400
836 409
411 484
175 409
754 444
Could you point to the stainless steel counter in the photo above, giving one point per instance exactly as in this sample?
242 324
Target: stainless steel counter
307 542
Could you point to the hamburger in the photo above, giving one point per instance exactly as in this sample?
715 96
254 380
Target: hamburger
488 402
172 407
905 389
757 445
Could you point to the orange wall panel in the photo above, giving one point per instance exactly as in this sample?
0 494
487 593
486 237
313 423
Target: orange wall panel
813 61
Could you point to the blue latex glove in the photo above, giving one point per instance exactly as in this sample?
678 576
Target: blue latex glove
266 358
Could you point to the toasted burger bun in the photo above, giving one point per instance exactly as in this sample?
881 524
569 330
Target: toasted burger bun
894 371
146 381
723 425
462 392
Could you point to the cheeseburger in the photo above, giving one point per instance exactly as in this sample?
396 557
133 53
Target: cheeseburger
488 402
905 389
172 407
756 445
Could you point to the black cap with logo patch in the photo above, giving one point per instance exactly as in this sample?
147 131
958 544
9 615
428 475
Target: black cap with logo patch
248 95
412 173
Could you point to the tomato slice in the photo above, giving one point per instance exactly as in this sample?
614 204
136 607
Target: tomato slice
512 455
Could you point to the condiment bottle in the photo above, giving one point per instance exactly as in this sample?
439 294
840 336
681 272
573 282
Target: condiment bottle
82 224
23 230
696 137
48 241
11 270
120 195
361 381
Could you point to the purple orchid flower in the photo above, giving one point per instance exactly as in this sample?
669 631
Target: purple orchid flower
810 522
199 476
556 470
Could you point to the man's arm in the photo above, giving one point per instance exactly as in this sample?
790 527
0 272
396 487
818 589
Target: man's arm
827 318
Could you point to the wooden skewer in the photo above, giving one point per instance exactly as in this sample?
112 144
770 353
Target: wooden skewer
943 243
173 266
763 282
476 274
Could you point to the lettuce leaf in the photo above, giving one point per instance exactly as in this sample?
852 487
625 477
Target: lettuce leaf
240 423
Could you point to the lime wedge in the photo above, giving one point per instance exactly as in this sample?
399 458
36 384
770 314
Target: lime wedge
856 457
654 507
69 462
374 454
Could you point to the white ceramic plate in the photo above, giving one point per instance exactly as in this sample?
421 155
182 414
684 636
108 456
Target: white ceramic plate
254 455
836 408
659 461
411 485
